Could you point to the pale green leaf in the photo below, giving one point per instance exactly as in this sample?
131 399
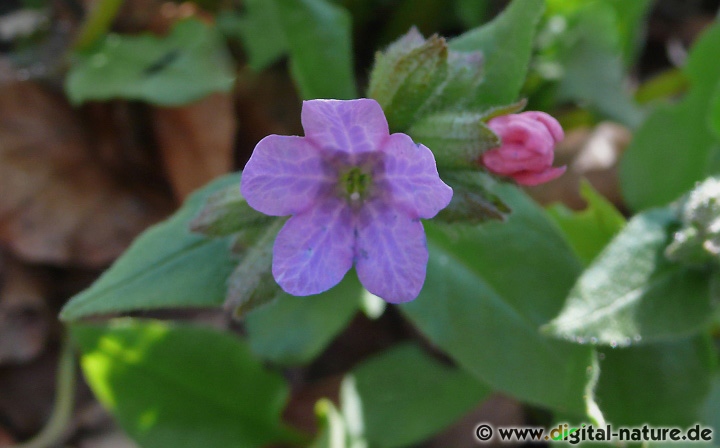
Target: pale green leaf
184 66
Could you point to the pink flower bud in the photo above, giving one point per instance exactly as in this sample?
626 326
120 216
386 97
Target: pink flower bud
527 150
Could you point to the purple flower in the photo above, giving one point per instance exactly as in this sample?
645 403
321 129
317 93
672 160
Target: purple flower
527 150
356 195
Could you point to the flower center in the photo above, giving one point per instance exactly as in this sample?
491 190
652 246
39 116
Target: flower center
355 183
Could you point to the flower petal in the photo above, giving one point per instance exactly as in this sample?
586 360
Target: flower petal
353 127
284 176
391 252
551 123
315 249
515 157
410 176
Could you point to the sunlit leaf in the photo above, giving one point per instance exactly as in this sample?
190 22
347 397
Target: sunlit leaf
181 385
588 231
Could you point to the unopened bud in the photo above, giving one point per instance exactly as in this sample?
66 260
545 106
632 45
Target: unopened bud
528 147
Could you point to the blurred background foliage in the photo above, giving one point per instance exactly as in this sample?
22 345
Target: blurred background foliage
112 112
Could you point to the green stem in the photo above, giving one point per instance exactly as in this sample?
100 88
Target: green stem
64 402
97 22
665 85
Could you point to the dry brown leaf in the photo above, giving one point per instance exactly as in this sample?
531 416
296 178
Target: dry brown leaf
169 13
59 204
299 412
94 427
267 103
6 440
196 141
28 393
110 439
25 319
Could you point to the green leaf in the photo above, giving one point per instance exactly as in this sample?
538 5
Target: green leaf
294 330
661 384
472 13
393 413
259 29
496 284
669 153
506 43
630 23
711 408
473 202
590 230
498 111
252 283
594 74
672 150
165 267
457 139
632 293
457 91
182 386
406 75
563 7
319 39
226 212
715 112
184 66
700 66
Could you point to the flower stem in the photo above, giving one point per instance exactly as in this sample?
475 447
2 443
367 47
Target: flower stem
64 402
97 22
